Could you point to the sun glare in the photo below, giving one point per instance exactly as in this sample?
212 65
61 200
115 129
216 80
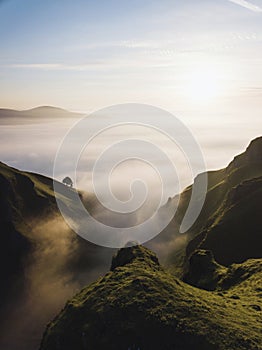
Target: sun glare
202 85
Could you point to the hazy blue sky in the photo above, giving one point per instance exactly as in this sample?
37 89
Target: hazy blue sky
84 54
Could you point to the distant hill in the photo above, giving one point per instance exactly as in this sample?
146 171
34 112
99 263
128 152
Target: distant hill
230 221
10 116
139 305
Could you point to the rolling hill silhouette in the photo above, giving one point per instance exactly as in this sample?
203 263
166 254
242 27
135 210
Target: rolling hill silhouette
34 115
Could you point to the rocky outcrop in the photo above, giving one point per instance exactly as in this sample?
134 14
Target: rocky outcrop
139 305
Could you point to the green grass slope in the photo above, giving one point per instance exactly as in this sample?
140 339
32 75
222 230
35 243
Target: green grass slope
38 253
235 234
139 305
27 201
25 198
230 221
22 197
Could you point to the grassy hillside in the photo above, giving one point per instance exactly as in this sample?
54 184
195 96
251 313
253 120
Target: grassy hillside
22 198
42 261
27 202
235 234
139 305
230 220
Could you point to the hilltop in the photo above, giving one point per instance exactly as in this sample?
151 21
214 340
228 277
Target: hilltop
139 305
34 115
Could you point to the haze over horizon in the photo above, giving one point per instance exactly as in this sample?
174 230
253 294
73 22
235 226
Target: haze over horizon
169 53
199 60
29 141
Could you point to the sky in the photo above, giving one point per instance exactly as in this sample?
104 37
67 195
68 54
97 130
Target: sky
84 55
200 60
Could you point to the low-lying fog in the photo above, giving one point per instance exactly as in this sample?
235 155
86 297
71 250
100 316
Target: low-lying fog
32 146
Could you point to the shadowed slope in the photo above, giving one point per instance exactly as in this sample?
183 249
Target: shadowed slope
230 221
42 261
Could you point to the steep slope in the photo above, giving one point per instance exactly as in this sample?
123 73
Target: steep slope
139 305
27 199
22 197
40 257
235 234
230 220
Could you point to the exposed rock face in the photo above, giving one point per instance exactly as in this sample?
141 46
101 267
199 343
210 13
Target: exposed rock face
139 305
244 190
203 271
127 255
252 155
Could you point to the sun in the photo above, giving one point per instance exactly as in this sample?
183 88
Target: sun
202 85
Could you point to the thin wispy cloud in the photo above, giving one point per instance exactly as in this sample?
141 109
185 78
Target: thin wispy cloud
55 66
161 60
248 5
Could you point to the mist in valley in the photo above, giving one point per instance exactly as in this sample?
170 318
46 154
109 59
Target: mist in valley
60 264
32 145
